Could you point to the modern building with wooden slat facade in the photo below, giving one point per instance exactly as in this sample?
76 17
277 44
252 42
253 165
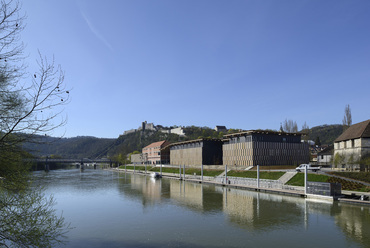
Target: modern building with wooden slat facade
251 148
196 152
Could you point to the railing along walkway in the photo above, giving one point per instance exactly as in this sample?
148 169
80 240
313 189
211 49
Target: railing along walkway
251 183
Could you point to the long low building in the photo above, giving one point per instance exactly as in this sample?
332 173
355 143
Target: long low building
196 152
251 148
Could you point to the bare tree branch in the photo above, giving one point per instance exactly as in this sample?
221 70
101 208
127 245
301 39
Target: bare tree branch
347 119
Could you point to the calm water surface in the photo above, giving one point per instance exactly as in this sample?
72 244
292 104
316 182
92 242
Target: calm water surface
110 209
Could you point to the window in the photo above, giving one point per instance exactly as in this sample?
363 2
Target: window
353 143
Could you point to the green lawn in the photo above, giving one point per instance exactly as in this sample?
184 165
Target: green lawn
275 167
298 179
166 170
137 167
361 176
189 171
272 175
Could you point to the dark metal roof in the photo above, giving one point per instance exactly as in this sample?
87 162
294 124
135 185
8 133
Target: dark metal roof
191 141
359 130
244 133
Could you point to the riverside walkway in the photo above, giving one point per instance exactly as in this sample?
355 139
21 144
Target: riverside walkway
267 186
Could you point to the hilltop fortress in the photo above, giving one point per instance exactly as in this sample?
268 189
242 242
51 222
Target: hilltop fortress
150 126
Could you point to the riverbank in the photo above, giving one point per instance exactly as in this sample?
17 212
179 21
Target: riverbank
266 186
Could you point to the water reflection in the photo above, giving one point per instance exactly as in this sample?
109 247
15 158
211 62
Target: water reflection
146 189
205 211
198 197
250 210
354 221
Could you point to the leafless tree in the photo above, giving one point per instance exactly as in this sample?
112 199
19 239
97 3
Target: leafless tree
290 126
347 119
29 105
29 102
305 130
305 127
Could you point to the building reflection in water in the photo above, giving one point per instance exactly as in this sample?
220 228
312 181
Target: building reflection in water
253 210
354 222
250 210
143 188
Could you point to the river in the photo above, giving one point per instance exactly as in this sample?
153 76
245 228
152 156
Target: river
111 209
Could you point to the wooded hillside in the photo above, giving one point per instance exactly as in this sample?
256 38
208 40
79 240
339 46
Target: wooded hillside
92 147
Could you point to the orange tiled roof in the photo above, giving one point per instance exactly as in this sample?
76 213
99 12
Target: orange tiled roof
156 144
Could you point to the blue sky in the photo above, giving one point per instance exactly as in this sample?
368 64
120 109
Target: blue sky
242 64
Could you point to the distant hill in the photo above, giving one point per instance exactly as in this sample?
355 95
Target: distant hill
77 147
326 133
92 147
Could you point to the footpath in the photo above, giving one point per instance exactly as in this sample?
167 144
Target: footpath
353 197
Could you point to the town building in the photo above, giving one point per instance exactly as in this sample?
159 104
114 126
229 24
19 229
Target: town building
258 147
179 131
353 144
325 157
155 154
196 152
221 129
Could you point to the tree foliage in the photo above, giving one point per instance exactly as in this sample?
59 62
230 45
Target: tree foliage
28 219
327 133
27 216
289 126
365 162
305 127
28 105
76 147
338 159
347 119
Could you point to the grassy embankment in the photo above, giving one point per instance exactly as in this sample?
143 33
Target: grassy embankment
212 173
272 175
188 171
298 180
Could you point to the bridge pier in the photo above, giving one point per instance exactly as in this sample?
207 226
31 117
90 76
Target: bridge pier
46 167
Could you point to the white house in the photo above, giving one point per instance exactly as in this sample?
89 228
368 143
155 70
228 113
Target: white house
325 157
354 143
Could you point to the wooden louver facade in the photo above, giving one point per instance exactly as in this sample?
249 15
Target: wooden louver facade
252 148
196 152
